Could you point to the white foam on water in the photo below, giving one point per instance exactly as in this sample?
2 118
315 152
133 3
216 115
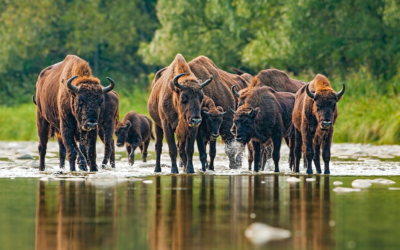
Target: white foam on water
12 167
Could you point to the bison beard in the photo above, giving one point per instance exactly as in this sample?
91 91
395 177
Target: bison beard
72 109
266 115
175 104
314 115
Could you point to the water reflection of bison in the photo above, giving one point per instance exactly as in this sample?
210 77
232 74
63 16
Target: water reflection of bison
72 215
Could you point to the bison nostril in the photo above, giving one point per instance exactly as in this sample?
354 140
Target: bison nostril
90 124
119 144
215 135
195 120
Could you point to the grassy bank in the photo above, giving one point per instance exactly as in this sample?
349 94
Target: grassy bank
365 115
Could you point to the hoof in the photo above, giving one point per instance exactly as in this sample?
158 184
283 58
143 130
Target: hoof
327 172
190 171
174 171
82 167
157 170
319 172
276 171
309 171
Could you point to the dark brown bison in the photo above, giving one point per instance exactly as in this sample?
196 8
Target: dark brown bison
220 93
314 115
175 106
134 130
266 114
208 132
70 99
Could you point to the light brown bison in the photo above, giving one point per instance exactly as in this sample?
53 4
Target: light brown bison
134 130
265 115
70 99
208 132
314 115
175 106
220 93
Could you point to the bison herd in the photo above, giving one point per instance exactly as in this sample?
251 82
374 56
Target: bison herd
188 102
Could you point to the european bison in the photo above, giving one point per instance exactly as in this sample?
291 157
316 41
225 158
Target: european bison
314 115
175 106
220 93
266 114
70 99
134 130
209 131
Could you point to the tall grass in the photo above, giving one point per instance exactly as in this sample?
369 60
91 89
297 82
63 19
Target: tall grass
369 112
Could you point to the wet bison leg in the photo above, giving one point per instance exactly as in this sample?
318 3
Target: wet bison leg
326 151
106 136
250 154
239 155
82 151
43 134
158 146
91 138
128 149
213 153
256 151
62 150
292 142
230 150
264 155
145 146
190 150
276 141
317 154
173 151
308 149
182 154
202 151
70 144
297 150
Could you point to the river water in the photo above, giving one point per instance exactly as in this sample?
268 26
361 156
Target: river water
131 208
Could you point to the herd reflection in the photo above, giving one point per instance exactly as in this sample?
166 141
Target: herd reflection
178 212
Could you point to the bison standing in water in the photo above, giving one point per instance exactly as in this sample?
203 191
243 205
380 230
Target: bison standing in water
209 131
265 115
175 106
220 93
314 115
70 99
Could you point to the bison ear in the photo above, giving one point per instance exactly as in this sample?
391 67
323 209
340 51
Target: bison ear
255 112
220 109
204 110
128 123
173 87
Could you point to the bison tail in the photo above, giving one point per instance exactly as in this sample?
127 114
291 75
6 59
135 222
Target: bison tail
52 132
33 100
290 131
152 136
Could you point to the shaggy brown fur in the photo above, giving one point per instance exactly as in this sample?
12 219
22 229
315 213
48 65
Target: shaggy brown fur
175 108
134 130
74 114
313 119
220 93
208 132
265 115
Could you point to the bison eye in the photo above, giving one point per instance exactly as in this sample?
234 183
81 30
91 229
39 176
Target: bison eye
81 102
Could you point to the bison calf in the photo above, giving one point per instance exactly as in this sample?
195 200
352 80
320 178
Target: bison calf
134 130
209 131
266 114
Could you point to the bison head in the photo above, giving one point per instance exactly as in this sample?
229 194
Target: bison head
244 123
189 96
87 99
324 105
213 118
121 132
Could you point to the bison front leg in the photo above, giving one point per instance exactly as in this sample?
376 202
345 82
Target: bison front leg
276 141
250 154
308 149
173 151
239 155
202 152
256 152
91 138
298 143
182 153
62 151
190 150
158 147
213 153
317 154
326 151
43 135
131 157
145 146
70 145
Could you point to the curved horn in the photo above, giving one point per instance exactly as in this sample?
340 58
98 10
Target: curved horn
234 92
233 111
110 87
207 82
70 86
251 111
311 95
33 99
340 93
175 80
223 113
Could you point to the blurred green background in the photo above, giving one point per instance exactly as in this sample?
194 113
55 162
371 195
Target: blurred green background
356 42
